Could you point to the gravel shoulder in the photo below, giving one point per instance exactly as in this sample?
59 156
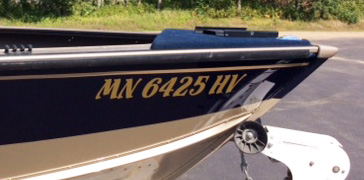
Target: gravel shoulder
322 35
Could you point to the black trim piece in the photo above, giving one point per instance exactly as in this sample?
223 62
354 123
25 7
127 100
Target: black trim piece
68 32
235 32
70 38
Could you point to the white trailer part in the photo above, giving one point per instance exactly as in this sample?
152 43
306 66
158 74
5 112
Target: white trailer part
307 155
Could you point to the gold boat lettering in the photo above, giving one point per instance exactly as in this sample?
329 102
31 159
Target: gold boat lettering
173 87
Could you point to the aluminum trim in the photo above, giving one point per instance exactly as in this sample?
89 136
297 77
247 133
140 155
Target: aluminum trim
34 58
91 49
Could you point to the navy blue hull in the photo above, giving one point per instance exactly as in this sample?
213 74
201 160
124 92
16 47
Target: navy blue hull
39 109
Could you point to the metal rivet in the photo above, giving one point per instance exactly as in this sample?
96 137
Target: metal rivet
269 145
311 163
335 169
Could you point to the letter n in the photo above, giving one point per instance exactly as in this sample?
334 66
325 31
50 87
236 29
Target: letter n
128 89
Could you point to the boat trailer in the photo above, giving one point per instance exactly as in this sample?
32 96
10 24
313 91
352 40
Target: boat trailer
307 155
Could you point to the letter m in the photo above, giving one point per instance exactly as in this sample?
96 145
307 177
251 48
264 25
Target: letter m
109 88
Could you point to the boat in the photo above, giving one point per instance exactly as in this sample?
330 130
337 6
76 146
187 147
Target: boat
84 104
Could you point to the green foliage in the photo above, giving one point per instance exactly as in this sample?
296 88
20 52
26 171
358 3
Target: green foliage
130 9
84 8
324 9
216 8
34 11
349 11
173 4
260 9
89 8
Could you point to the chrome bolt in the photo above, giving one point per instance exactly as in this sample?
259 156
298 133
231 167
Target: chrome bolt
249 136
336 169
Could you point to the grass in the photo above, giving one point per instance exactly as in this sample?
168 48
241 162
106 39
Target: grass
122 19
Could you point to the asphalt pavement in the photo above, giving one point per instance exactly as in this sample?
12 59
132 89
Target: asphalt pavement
330 101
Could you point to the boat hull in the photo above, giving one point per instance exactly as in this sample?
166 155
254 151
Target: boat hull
86 121
137 114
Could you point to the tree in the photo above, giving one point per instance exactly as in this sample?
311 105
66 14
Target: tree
159 5
238 3
100 3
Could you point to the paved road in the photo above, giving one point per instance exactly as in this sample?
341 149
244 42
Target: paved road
330 101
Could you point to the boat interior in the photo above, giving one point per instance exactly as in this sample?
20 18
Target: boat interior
25 41
44 41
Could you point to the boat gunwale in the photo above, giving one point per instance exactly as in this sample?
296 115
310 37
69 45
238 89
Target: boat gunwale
28 58
146 72
80 49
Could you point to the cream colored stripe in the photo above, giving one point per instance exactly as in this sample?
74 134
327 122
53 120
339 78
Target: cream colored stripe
58 154
167 71
105 164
